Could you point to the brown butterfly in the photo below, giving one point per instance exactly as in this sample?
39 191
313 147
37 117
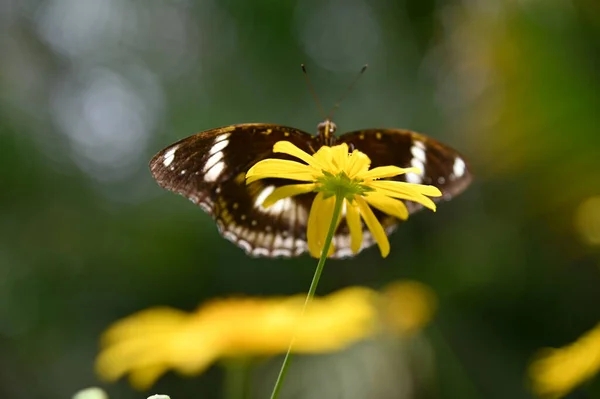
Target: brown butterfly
209 168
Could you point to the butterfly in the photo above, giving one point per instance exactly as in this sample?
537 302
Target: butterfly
209 169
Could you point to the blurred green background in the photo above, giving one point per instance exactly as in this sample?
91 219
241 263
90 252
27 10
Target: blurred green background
90 90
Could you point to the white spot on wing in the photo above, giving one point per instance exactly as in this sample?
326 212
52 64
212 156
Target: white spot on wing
418 152
215 171
286 207
212 161
206 206
219 146
288 242
263 196
214 164
418 160
459 167
281 246
281 252
169 156
245 245
237 230
258 251
283 205
230 236
344 253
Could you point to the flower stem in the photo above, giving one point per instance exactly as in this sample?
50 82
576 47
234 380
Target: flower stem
235 378
337 209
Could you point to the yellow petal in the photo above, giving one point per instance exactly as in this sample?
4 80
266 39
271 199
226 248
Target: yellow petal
143 378
288 148
407 306
123 356
158 320
358 163
555 372
374 226
407 191
387 204
431 191
319 220
287 191
324 157
355 226
280 168
340 156
387 171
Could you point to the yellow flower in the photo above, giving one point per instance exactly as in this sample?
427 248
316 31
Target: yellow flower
407 307
149 343
555 372
333 171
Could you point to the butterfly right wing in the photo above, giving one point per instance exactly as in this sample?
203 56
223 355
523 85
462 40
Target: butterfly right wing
441 166
209 169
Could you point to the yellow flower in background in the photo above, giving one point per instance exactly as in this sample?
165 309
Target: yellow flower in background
555 372
149 343
407 306
333 171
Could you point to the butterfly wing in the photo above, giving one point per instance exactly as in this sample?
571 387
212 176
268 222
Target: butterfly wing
209 169
441 166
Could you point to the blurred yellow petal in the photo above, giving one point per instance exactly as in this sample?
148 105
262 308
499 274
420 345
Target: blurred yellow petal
409 306
556 372
241 327
143 378
155 320
235 327
374 226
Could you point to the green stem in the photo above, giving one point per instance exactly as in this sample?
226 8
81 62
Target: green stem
235 378
339 200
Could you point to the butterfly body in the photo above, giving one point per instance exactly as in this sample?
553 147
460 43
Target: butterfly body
209 169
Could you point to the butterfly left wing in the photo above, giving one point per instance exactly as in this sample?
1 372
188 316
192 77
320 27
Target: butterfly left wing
209 169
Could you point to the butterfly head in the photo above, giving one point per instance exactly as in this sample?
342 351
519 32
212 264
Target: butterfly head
326 130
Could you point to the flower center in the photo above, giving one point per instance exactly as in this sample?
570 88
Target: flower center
341 185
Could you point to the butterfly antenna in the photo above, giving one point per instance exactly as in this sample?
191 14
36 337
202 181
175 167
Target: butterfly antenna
312 90
348 90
